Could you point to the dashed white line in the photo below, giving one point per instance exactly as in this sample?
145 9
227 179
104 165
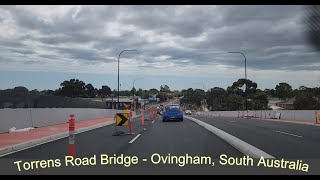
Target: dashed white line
153 121
289 134
134 139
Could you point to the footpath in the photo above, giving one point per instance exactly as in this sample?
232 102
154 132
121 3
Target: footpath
16 141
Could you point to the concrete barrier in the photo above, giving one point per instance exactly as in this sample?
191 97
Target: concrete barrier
305 115
38 117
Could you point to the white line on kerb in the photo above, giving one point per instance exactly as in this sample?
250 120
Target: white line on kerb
289 134
134 138
237 143
153 121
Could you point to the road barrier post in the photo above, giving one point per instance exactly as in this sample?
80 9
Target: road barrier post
142 117
317 118
130 127
71 135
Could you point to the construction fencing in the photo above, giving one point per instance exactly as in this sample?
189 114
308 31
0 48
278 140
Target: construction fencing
305 115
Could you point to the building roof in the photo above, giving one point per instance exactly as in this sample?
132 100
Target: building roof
289 101
115 99
276 108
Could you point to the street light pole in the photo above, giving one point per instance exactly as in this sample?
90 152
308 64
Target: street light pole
245 74
118 74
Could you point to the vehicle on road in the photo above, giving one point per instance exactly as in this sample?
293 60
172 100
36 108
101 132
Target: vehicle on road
172 112
188 112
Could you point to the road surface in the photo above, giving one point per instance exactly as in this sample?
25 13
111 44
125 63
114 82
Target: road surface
167 139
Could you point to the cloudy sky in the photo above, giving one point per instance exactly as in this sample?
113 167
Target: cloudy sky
182 46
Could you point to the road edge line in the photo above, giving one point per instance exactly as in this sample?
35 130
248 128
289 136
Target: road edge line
242 146
33 143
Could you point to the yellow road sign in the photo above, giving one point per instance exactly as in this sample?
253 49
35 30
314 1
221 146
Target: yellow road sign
122 119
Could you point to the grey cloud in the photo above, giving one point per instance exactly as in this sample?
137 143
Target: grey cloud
32 62
22 51
266 34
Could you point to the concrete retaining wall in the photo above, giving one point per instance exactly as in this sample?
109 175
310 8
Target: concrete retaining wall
38 117
306 115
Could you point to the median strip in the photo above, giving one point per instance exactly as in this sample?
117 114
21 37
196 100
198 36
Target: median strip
245 148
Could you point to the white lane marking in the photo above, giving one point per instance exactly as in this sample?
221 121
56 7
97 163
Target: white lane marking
237 143
153 121
134 138
289 134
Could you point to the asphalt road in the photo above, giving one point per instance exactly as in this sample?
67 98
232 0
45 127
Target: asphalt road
169 138
279 139
282 140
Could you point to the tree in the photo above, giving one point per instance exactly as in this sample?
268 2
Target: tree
233 102
35 92
47 92
20 90
283 91
177 93
133 90
105 91
237 87
215 97
165 89
260 101
153 91
89 91
139 92
161 96
270 92
306 101
96 91
72 88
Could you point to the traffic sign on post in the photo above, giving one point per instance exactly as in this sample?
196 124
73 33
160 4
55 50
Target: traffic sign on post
122 119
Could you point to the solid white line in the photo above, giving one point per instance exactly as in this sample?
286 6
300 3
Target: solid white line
134 138
289 134
153 121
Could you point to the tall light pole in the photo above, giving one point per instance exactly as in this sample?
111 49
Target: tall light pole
133 91
118 72
245 75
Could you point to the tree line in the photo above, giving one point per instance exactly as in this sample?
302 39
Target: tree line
216 98
233 97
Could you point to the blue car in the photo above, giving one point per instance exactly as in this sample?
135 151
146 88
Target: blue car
172 112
